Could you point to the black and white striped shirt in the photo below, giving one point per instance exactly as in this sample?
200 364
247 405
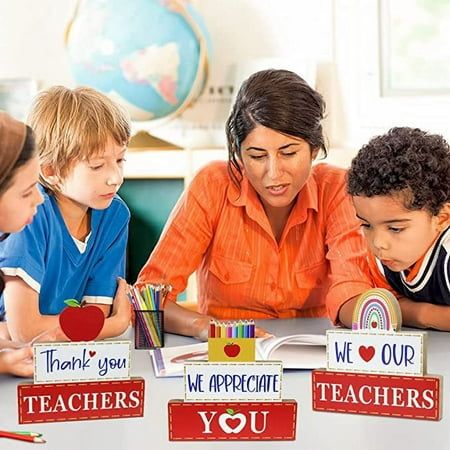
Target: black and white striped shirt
432 282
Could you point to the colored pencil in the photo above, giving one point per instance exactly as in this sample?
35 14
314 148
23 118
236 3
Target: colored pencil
231 329
142 323
246 325
252 329
212 329
21 437
147 302
27 433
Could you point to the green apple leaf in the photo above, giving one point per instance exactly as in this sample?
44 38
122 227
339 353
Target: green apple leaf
230 411
72 303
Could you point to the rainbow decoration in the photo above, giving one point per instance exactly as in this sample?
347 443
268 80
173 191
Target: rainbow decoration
377 310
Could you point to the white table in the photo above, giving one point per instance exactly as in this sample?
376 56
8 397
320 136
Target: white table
315 430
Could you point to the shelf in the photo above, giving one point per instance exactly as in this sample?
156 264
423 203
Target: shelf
169 163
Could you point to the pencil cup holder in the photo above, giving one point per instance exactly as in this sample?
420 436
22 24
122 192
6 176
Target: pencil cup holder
149 329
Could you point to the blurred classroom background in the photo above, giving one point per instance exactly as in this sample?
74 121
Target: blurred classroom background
378 63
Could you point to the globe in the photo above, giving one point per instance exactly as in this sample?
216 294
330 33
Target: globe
151 56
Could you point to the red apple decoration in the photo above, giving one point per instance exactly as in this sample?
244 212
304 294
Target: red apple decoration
81 323
232 350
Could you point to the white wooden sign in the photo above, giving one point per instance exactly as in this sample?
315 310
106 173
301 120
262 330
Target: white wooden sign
396 353
205 381
81 361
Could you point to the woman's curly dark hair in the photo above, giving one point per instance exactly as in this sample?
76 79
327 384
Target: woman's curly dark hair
405 161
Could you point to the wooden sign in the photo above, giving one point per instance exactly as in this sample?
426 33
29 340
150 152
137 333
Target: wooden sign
389 353
81 361
250 421
206 381
380 395
80 401
231 349
377 310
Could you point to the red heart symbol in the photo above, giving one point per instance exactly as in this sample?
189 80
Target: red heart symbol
366 353
92 353
374 324
232 424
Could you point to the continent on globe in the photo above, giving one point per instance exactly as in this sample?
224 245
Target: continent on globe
151 56
156 66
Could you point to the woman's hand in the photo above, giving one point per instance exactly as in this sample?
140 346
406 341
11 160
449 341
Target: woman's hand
262 333
200 327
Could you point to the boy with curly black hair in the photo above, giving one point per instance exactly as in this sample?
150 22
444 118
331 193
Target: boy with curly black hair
400 183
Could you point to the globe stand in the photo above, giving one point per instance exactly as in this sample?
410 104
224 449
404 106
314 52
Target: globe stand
143 141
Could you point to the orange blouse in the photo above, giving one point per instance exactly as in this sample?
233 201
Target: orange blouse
242 272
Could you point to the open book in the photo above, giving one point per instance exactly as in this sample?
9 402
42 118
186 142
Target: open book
299 351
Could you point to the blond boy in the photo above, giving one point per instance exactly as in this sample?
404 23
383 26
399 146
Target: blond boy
75 247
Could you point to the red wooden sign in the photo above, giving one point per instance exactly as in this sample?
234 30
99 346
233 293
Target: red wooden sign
379 395
62 402
232 421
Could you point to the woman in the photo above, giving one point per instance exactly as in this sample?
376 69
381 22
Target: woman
19 198
269 236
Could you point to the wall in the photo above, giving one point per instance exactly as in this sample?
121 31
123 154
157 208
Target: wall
150 202
31 34
31 40
296 32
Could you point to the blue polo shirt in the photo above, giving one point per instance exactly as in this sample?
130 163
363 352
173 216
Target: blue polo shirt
46 257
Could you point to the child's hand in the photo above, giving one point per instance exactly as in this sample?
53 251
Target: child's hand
17 362
53 335
121 305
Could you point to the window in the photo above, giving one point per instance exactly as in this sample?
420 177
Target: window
415 47
393 67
